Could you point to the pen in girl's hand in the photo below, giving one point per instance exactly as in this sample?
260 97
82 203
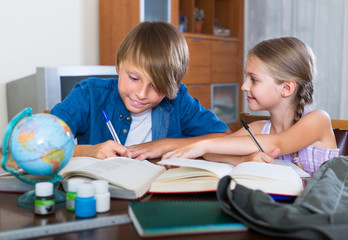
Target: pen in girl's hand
251 134
111 128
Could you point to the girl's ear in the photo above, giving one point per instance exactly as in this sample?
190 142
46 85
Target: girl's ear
288 88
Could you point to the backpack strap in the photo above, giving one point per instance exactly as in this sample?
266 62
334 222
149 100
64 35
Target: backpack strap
320 212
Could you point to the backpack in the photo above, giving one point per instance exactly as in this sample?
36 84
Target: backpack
320 212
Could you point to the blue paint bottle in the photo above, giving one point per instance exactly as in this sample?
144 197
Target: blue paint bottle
85 202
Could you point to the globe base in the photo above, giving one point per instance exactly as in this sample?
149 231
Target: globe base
27 199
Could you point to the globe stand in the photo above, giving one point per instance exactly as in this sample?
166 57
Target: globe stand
27 199
50 155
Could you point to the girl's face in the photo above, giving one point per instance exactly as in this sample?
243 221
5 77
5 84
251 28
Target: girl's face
136 90
263 93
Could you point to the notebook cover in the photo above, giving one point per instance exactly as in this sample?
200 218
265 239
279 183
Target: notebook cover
161 218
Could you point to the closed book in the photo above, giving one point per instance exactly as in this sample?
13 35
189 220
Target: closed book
162 218
12 184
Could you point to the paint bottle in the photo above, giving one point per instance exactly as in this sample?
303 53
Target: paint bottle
85 202
102 195
72 192
44 202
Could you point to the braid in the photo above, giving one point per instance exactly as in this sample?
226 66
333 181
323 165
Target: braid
304 96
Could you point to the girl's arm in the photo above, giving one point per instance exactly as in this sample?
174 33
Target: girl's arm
313 128
156 149
235 160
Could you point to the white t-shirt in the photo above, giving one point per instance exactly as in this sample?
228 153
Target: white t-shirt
141 128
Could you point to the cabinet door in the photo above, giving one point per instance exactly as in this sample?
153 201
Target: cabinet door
116 19
201 92
227 62
200 61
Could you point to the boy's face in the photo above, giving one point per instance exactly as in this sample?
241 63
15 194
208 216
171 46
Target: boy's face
136 90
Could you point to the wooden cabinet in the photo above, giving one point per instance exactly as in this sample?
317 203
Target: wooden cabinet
201 92
227 61
214 59
116 19
199 70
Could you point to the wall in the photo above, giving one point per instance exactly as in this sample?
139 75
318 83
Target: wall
44 33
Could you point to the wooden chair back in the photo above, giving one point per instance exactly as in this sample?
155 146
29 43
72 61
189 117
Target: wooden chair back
340 128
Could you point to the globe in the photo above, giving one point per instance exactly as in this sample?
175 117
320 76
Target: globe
40 146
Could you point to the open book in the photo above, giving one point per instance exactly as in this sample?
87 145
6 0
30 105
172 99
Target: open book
128 178
203 176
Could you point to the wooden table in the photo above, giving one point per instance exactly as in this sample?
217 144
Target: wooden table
15 217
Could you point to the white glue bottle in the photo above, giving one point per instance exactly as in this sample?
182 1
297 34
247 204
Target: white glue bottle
72 192
102 195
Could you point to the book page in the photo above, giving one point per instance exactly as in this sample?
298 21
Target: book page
123 172
3 173
220 169
298 170
186 174
76 163
266 171
184 180
270 178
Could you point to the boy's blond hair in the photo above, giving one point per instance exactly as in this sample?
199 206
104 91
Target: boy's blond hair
160 50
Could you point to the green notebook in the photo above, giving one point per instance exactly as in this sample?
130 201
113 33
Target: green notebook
161 218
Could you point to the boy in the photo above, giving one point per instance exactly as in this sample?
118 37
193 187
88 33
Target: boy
150 109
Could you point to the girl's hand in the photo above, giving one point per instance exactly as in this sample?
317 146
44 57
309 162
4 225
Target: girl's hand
193 150
263 157
149 150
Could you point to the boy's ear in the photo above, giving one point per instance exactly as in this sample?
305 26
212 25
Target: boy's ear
288 88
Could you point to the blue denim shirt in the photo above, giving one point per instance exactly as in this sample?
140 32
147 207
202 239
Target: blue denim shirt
177 118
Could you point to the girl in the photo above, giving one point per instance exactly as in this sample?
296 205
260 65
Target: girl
279 77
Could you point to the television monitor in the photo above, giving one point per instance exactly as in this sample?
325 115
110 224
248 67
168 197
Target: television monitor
49 86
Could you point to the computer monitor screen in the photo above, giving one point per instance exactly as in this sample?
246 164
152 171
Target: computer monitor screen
49 86
68 82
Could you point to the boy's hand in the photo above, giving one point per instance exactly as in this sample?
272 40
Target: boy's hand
102 150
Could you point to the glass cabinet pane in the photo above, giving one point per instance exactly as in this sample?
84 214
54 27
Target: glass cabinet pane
155 10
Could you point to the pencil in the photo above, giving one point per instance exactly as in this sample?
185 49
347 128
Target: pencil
251 134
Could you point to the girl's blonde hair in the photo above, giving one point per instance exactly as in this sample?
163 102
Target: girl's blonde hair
160 50
288 58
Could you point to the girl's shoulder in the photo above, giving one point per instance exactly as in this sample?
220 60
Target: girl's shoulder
316 119
316 113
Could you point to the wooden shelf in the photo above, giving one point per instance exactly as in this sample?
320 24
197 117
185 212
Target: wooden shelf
225 13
